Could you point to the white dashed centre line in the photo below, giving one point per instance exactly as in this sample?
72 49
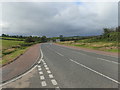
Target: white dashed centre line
54 82
50 76
42 77
43 83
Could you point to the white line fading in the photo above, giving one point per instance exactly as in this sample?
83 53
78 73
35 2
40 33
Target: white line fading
96 72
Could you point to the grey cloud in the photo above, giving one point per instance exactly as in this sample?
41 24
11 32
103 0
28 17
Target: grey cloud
54 19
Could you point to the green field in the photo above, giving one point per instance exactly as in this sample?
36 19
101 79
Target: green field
12 49
10 43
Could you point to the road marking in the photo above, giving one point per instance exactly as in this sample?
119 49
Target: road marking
43 83
42 77
86 51
59 54
50 76
48 71
47 68
44 63
40 69
41 72
39 66
33 67
57 87
54 82
39 62
108 60
96 72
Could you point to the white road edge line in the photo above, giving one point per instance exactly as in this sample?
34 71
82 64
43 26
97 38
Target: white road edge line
108 60
54 82
24 73
96 72
43 83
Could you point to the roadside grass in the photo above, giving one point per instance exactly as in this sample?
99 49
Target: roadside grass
10 57
10 49
97 45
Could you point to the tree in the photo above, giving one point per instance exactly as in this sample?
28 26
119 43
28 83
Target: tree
29 39
61 38
118 29
43 39
5 35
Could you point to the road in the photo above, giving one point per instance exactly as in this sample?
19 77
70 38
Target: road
62 67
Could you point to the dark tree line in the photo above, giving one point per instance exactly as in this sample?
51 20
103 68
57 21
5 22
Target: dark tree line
27 39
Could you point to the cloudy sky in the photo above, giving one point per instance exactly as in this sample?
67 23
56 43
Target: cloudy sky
61 18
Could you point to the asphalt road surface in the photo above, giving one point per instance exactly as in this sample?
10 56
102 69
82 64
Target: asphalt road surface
79 69
63 67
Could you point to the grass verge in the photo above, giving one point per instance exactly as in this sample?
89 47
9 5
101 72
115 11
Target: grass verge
99 45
